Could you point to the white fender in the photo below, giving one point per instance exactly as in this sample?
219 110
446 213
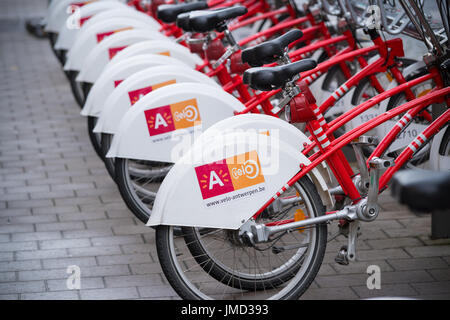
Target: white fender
89 37
111 77
165 121
267 125
90 15
227 182
137 85
166 47
59 13
103 52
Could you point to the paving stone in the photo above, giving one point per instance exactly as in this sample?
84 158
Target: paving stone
134 280
22 287
64 243
397 243
61 295
20 265
85 283
429 251
41 254
342 293
109 294
116 240
65 262
392 291
153 292
417 263
431 288
124 259
50 235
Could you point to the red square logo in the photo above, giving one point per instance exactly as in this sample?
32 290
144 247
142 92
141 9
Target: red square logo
139 93
113 51
214 179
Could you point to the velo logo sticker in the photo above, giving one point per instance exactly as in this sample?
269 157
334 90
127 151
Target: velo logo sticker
230 174
113 51
180 115
135 95
103 35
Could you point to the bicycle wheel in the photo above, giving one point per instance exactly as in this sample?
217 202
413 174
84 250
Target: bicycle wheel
138 182
76 87
205 263
105 144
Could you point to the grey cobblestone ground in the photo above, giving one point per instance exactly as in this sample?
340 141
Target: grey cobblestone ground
58 207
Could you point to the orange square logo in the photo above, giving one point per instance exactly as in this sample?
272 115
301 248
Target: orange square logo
245 170
185 114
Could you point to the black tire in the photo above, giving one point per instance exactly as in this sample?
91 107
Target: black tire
76 88
127 193
106 140
95 138
139 201
175 276
58 53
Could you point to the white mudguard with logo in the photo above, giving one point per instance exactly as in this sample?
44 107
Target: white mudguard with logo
225 183
103 52
138 85
270 126
164 123
89 17
88 38
59 14
111 78
164 47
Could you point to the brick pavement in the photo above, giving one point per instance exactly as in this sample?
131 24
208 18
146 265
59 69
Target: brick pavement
58 207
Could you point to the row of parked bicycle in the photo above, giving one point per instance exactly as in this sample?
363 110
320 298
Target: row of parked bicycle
224 124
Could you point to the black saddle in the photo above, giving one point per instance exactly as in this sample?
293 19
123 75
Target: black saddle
208 20
422 190
270 51
168 12
266 79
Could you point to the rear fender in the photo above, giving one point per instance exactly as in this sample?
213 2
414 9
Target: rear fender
164 123
111 77
140 83
59 13
103 52
87 38
67 36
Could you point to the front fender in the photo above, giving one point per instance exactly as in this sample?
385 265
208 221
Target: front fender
225 183
140 83
103 52
121 70
163 123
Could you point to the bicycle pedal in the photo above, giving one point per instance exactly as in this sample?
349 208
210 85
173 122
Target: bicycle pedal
342 256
